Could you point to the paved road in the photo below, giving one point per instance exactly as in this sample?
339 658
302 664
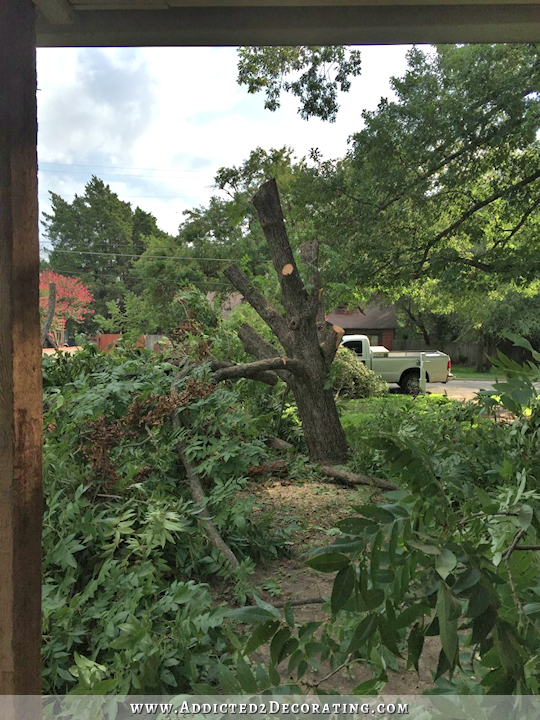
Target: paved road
458 389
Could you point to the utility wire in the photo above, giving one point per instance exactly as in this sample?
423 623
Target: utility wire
85 172
148 257
155 197
121 167
138 277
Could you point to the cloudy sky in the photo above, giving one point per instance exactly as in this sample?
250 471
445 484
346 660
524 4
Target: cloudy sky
156 123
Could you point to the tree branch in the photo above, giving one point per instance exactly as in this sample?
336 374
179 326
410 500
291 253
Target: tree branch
346 477
474 209
251 370
255 344
45 330
268 206
258 302
199 498
268 378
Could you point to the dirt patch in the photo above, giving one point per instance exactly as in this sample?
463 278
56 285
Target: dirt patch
314 508
296 582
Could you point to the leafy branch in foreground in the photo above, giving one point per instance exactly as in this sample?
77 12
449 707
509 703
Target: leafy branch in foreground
451 555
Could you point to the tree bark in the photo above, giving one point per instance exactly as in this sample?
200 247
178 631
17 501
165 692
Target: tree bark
45 330
309 342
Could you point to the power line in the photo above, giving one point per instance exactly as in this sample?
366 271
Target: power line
120 167
138 277
85 172
148 257
165 197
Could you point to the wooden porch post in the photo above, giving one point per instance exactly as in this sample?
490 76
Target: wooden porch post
20 358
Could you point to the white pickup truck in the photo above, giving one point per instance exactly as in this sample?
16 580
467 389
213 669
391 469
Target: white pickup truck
400 367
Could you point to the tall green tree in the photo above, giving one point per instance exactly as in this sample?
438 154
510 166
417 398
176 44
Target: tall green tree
444 181
97 237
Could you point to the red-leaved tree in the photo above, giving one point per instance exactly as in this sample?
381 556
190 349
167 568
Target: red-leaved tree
73 300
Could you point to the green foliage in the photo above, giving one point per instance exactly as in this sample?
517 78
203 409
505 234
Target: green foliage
125 556
95 238
452 553
352 379
317 75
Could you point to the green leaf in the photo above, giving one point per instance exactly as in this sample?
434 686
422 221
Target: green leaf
525 516
261 635
289 614
384 576
388 635
489 505
227 680
104 686
445 563
251 615
373 598
447 627
375 686
278 641
375 559
355 526
392 545
426 549
466 580
245 677
342 588
415 645
363 632
410 614
531 608
273 675
267 606
331 562
308 629
374 512
478 601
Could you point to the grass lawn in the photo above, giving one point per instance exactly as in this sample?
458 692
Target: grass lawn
464 371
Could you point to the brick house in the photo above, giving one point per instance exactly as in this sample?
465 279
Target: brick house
378 323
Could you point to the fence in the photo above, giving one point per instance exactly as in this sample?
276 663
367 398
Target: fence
465 353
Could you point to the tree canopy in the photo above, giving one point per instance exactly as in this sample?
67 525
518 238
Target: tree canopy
314 74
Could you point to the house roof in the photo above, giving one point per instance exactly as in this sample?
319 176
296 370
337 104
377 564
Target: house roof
119 23
373 317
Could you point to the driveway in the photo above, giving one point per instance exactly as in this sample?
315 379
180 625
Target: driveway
461 388
457 389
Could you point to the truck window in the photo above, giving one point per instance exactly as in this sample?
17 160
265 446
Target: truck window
356 345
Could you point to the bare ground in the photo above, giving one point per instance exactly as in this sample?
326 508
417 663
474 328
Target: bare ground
315 508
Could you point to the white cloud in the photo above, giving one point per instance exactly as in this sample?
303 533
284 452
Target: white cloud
175 115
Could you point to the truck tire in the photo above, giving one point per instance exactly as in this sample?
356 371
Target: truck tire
410 382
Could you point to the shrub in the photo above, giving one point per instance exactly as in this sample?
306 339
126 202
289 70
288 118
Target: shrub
351 378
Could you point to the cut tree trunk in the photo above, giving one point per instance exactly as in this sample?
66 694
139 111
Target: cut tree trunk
308 341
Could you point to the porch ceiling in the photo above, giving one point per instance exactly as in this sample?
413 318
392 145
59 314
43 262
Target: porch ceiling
115 23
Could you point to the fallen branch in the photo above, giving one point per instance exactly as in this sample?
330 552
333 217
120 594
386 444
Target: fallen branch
507 554
278 444
337 474
199 498
298 603
279 467
346 477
